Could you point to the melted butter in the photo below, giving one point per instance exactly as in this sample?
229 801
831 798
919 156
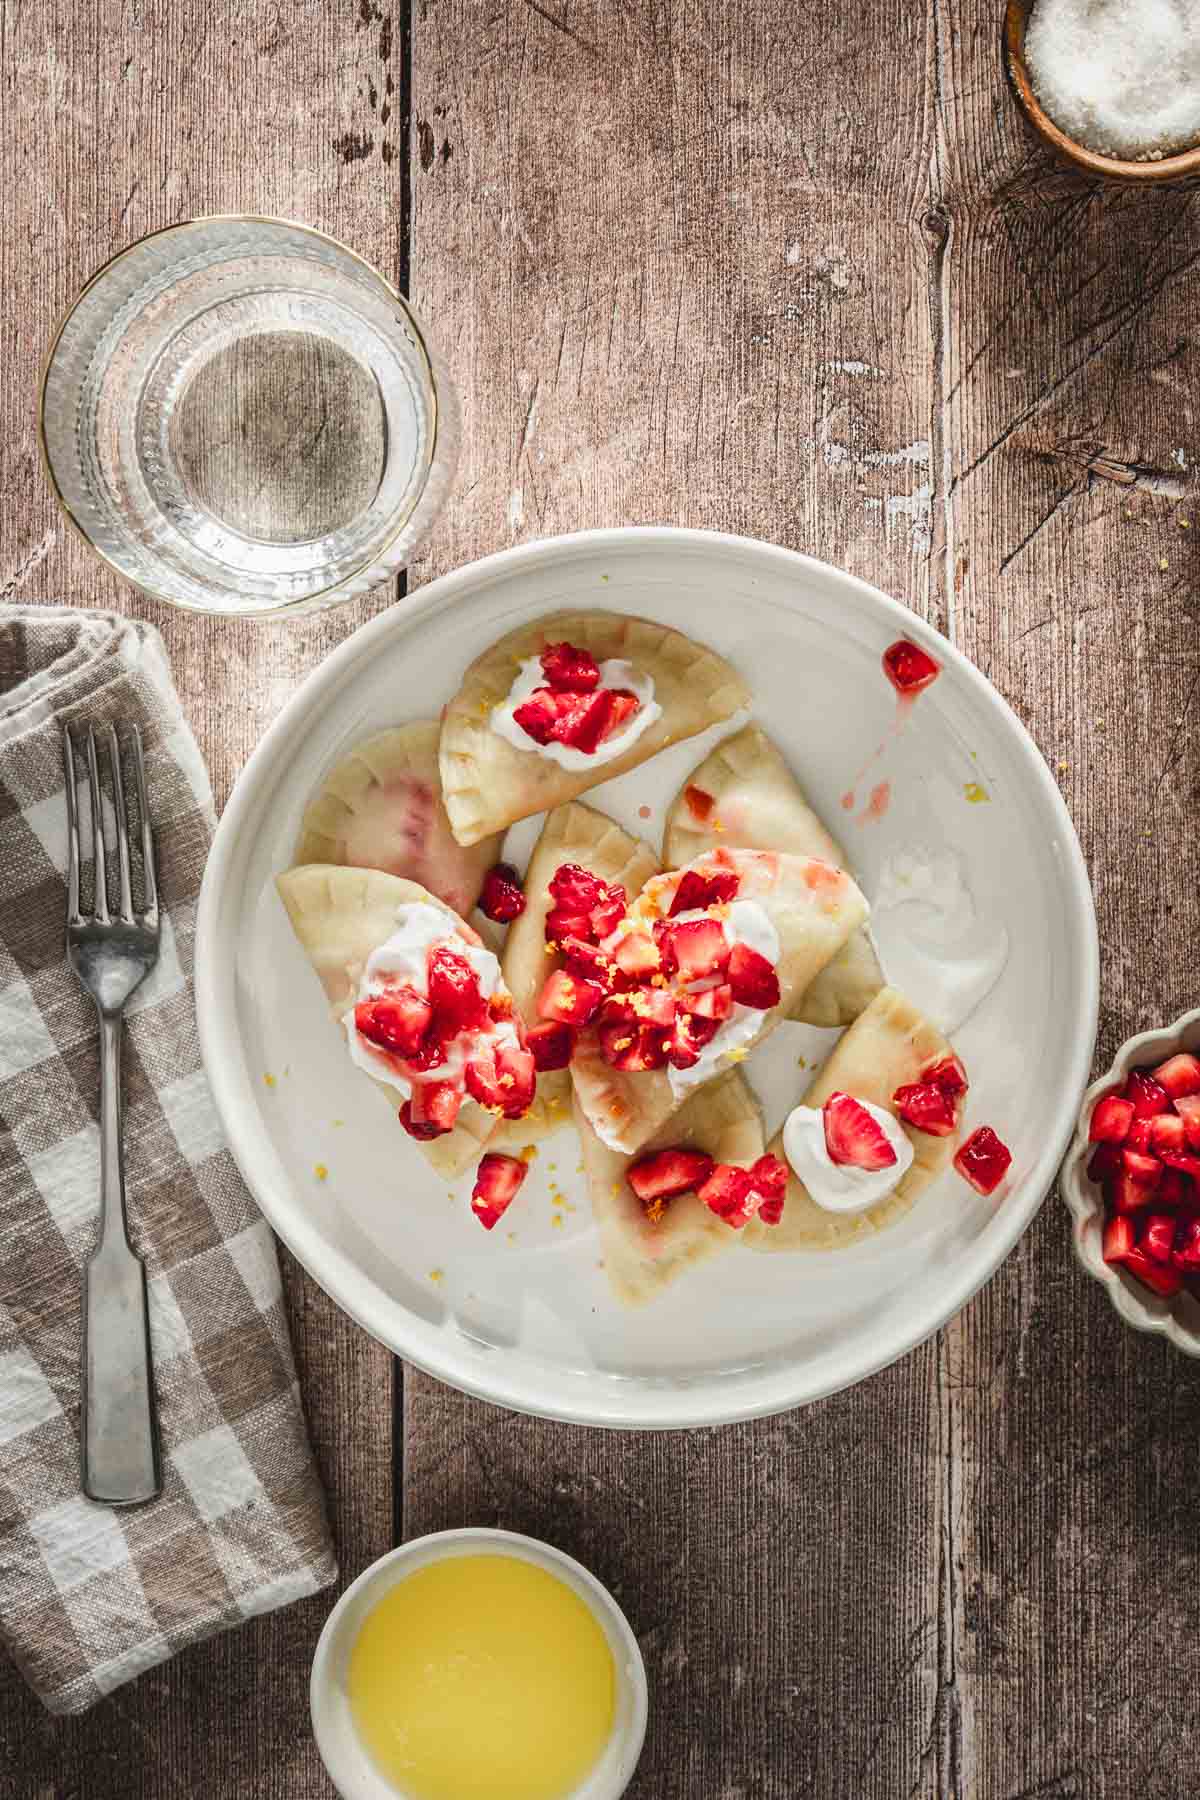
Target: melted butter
482 1677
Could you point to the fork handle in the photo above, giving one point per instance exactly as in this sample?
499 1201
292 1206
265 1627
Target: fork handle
120 1422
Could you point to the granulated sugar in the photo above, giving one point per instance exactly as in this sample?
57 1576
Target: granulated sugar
1121 77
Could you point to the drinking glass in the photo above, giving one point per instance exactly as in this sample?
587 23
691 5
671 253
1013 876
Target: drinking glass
241 416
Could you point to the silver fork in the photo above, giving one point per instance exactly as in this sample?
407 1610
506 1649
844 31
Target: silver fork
112 953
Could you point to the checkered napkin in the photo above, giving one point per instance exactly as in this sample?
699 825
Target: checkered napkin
90 1596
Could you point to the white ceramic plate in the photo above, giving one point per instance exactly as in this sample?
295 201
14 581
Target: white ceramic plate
523 1316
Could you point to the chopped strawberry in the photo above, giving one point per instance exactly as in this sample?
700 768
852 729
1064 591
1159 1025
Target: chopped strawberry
609 909
1145 1170
908 667
1111 1118
694 949
688 1038
949 1075
983 1160
1188 1108
1143 1268
502 898
575 888
1175 1189
1148 1098
566 666
500 1005
1179 1076
637 955
715 1003
752 978
1105 1162
1156 1235
1166 1132
561 925
769 1179
433 1108
621 706
639 1006
550 1044
541 714
584 906
415 1128
1118 1239
454 994
668 1172
571 999
1128 1195
696 891
730 1193
587 960
396 1021
634 1048
496 1182
516 1073
1138 1135
1185 1254
853 1136
483 1081
1183 1160
699 802
583 722
930 1109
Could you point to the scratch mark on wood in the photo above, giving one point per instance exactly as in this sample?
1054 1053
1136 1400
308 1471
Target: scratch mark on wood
561 25
28 564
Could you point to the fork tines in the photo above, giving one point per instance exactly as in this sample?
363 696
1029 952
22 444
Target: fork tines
100 905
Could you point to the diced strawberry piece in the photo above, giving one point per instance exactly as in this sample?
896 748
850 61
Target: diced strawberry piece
696 891
637 955
769 1179
1118 1239
667 1173
1179 1075
634 1048
609 909
1185 1254
699 802
1166 1132
1162 1281
583 722
1188 1108
561 925
983 1160
1138 1135
541 714
853 1136
1127 1195
550 1044
1156 1235
1175 1189
434 1107
1183 1160
731 1194
516 1073
454 994
483 1081
1105 1162
1148 1098
621 706
752 978
496 1182
696 948
571 999
715 1003
639 1006
688 1038
587 960
416 1128
928 1108
949 1075
575 888
500 1005
566 666
502 898
1111 1118
396 1021
908 667
1145 1170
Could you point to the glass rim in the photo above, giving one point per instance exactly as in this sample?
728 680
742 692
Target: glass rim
283 607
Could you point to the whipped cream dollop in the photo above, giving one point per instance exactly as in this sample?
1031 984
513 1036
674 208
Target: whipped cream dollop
744 922
840 1187
614 673
402 960
931 937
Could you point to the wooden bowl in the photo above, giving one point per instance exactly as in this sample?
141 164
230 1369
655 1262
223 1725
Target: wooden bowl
1185 164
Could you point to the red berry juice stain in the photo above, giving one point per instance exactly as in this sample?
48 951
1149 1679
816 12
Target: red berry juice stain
877 805
643 812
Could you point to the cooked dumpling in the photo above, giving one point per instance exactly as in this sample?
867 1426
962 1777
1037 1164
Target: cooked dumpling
889 1046
363 931
381 807
572 834
643 1255
744 794
567 701
739 935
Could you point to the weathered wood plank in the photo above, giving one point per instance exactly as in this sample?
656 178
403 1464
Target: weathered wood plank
677 258
1068 1441
119 119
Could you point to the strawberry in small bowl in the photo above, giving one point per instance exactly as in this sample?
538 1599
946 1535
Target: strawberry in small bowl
1132 1182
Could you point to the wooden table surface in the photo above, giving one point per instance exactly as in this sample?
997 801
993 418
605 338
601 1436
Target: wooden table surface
797 273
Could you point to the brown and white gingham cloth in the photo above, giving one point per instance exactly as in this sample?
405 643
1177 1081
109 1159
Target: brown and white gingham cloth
90 1596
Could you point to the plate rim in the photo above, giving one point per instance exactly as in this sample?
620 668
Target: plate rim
693 1403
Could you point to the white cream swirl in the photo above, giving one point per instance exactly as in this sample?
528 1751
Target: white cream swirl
614 673
840 1187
